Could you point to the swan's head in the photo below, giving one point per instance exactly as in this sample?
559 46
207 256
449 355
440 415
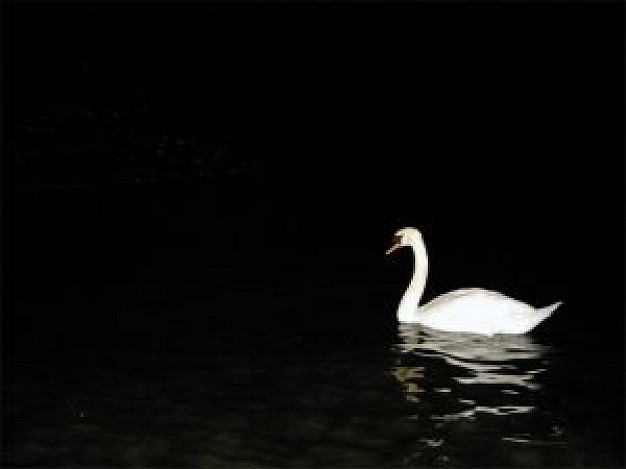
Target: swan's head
405 237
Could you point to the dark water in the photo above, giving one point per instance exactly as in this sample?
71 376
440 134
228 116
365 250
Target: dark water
317 392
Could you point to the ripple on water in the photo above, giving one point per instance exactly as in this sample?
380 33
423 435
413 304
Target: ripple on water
432 399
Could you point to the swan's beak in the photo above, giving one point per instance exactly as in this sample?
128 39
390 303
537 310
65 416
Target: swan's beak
396 242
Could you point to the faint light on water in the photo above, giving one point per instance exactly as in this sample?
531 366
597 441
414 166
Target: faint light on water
432 442
409 377
479 409
512 392
467 401
528 440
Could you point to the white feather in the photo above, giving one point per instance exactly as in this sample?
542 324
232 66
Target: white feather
472 310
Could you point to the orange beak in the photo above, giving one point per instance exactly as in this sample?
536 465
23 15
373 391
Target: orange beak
396 243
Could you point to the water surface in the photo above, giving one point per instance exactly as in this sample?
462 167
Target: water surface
290 394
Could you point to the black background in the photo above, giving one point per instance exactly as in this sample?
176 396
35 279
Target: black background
493 128
170 171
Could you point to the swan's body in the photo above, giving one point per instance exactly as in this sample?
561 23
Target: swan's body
472 310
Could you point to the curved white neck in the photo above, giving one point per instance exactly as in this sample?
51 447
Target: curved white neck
410 300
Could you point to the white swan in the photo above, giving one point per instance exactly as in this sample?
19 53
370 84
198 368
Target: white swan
472 310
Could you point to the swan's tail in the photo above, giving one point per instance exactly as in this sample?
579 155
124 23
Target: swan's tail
548 310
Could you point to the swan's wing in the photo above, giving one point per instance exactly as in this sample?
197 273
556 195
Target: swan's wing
479 310
465 295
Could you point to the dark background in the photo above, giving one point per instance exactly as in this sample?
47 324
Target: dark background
249 163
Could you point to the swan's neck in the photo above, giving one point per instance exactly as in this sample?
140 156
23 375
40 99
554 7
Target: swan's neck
410 301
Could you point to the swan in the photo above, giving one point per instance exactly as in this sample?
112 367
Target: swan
470 310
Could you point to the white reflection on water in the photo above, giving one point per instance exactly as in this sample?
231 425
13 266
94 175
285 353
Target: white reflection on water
510 361
474 391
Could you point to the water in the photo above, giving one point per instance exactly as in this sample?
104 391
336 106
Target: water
331 393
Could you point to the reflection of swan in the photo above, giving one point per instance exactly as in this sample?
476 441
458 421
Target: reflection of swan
457 384
468 310
504 360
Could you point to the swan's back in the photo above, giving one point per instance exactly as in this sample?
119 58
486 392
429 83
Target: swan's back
481 311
